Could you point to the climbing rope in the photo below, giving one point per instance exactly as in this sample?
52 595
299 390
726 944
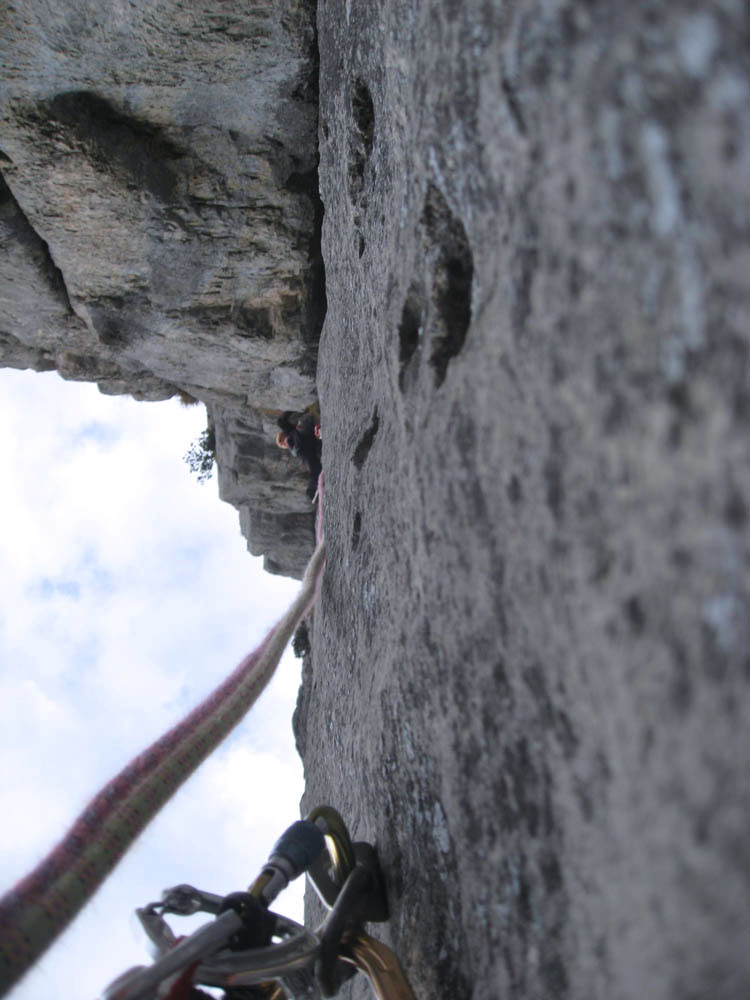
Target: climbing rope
41 905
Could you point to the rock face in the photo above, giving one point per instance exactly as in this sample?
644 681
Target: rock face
159 219
530 680
530 669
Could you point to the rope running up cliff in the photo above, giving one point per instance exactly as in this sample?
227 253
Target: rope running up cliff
41 905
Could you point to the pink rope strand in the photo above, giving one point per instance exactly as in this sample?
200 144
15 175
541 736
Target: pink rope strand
41 905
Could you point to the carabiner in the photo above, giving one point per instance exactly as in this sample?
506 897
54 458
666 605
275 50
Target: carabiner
379 964
328 875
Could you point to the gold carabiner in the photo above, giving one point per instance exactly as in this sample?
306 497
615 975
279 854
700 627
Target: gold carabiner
379 964
365 953
338 842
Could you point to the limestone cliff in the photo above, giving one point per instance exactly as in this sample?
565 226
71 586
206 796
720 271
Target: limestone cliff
530 670
159 221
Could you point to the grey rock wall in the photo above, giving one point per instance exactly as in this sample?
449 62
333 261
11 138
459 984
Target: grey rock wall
159 215
531 658
530 680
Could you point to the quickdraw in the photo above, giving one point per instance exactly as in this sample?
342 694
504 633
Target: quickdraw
36 910
251 952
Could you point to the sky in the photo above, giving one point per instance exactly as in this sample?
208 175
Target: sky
126 595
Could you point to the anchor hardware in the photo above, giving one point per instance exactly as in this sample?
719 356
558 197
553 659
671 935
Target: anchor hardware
252 952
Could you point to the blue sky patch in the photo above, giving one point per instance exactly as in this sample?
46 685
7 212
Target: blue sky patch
103 434
47 589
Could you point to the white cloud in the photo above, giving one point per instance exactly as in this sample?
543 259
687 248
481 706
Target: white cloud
126 596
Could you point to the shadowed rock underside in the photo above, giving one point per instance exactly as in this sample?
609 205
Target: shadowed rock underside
160 222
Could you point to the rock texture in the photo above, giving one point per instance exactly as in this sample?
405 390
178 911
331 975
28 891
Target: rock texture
159 219
530 680
530 670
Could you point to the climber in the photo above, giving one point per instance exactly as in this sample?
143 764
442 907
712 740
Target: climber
301 436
